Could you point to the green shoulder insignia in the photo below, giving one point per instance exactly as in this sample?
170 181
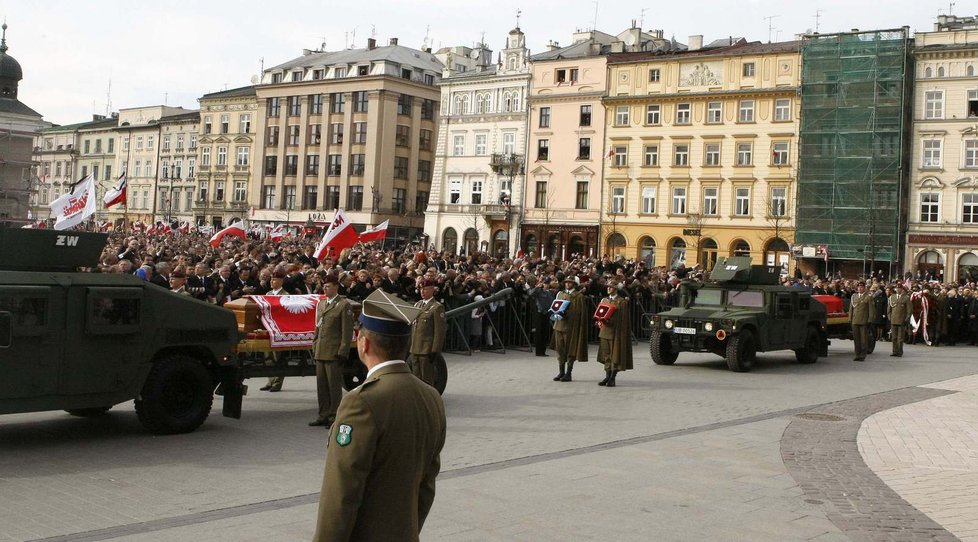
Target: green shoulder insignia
344 435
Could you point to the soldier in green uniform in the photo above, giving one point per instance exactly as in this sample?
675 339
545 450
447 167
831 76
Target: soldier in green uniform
861 309
275 283
898 311
428 336
383 453
570 330
331 347
615 348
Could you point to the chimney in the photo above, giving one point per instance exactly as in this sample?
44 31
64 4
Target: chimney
98 117
553 46
426 50
657 34
695 42
371 44
393 42
306 52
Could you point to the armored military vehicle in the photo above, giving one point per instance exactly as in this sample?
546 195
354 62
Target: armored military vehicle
83 342
740 311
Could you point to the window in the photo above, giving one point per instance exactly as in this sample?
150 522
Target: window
191 167
581 200
681 156
420 201
357 164
268 197
544 117
714 112
405 104
202 191
165 143
782 109
240 191
679 200
293 135
315 104
934 104
560 76
620 155
746 111
424 170
655 75
315 132
332 197
683 113
193 141
112 145
653 114
337 102
481 144
541 195
125 143
748 70
929 72
360 101
294 107
969 208
972 107
940 71
509 143
310 197
652 155
971 153
243 155
189 202
336 133
208 122
483 102
272 138
932 153
139 144
585 115
400 167
288 199
617 200
398 201
219 191
334 164
291 164
363 70
477 191
339 73
621 115
742 202
88 145
584 148
711 198
543 150
359 133
148 172
458 149
930 206
354 198
222 156
779 201
274 106
648 200
455 191
312 164
424 140
271 165
744 154
244 126
427 109
779 155
205 157
225 124
572 73
177 167
711 154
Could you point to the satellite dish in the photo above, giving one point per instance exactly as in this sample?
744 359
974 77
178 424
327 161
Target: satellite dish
255 79
629 39
475 54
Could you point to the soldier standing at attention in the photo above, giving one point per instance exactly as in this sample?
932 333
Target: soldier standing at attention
334 331
276 283
428 335
570 330
898 310
615 348
860 314
383 454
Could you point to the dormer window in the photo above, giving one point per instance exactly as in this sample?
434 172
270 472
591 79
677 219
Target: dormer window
296 76
339 73
276 78
317 74
363 70
406 73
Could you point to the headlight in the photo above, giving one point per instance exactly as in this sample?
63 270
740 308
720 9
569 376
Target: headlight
708 326
669 324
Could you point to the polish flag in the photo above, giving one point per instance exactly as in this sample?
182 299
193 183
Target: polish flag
338 237
184 228
116 194
236 229
278 233
377 233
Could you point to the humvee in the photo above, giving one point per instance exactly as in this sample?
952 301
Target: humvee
84 342
739 311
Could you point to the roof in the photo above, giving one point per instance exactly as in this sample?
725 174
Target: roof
739 49
10 68
392 53
16 107
231 93
577 50
192 115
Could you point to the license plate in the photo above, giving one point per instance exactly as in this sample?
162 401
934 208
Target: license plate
684 330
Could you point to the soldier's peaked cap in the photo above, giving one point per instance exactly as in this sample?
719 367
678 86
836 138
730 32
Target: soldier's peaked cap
387 314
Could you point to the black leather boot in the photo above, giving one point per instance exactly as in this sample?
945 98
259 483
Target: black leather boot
567 375
607 378
611 381
560 375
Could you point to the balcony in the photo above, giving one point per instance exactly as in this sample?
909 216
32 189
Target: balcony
242 168
506 164
490 211
204 167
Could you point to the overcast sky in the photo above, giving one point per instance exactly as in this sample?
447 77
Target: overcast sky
175 51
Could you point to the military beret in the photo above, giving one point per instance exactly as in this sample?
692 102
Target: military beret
280 273
331 279
428 283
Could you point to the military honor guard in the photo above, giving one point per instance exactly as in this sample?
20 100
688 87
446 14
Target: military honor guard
898 310
568 313
615 347
383 452
861 308
428 336
276 288
331 347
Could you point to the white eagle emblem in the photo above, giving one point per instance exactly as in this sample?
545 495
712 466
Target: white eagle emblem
297 304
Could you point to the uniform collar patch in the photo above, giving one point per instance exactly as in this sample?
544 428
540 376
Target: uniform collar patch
344 434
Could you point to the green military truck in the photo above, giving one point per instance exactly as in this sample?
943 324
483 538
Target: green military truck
740 311
84 342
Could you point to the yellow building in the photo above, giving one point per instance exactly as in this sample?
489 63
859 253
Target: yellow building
223 162
701 153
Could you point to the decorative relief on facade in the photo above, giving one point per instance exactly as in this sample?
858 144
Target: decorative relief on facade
701 74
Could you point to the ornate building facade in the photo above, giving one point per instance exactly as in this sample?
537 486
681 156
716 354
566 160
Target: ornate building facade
227 144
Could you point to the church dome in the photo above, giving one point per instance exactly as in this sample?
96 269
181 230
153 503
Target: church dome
9 67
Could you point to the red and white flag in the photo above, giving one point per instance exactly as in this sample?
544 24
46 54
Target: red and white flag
75 206
289 319
236 229
117 194
377 233
338 237
184 228
278 233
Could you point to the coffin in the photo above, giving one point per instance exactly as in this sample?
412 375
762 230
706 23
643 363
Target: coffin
247 314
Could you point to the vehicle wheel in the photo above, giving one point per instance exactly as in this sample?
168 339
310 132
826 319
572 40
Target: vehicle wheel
88 412
441 371
741 352
176 397
872 342
660 347
809 353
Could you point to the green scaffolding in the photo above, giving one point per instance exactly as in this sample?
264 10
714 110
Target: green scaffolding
851 174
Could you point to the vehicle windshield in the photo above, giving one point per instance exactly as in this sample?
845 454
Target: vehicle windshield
746 298
707 297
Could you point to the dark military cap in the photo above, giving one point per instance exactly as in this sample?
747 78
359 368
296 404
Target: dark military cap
331 279
387 314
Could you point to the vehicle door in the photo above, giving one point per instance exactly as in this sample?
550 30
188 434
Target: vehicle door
105 339
32 322
782 319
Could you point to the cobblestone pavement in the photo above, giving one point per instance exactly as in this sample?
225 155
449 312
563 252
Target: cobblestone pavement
676 453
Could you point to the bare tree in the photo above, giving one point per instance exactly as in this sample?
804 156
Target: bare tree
778 221
693 234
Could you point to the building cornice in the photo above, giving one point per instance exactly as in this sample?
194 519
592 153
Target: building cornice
539 98
681 96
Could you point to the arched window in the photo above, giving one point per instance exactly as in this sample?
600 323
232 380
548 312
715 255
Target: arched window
553 247
940 71
483 103
928 72
461 104
677 252
449 240
708 254
970 70
615 244
507 102
777 253
471 241
516 101
512 63
530 244
500 243
968 267
646 251
741 248
931 263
